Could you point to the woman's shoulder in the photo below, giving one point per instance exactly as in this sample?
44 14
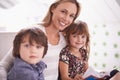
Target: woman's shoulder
38 25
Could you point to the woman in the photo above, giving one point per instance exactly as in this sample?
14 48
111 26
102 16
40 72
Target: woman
60 15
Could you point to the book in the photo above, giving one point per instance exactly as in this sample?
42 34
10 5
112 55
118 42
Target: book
92 74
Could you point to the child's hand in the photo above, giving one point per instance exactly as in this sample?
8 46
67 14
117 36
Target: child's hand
78 77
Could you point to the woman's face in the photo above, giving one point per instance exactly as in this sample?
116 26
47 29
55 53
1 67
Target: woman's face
63 15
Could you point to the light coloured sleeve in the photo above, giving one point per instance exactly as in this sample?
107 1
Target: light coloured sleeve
5 65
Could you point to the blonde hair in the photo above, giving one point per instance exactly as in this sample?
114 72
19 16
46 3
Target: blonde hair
48 17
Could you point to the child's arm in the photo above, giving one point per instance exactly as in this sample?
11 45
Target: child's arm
78 77
64 71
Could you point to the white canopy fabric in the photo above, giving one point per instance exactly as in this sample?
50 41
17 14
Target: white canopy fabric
100 11
30 11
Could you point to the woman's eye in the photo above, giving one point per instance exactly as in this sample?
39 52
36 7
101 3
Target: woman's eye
72 16
64 12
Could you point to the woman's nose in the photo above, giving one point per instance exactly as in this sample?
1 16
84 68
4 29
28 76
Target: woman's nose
66 18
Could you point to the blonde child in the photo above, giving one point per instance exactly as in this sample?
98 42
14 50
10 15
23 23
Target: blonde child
29 47
73 60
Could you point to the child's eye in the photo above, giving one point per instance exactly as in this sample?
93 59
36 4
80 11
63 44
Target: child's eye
39 46
27 45
83 36
74 36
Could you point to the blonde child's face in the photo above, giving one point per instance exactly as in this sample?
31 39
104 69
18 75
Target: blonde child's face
31 54
77 41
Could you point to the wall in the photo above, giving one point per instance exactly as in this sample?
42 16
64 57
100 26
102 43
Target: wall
6 39
105 46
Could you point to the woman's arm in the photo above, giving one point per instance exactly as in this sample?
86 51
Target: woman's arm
86 66
5 65
64 71
116 76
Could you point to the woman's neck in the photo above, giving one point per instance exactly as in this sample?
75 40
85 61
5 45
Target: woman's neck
52 35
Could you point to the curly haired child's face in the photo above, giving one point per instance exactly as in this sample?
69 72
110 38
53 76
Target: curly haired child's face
31 54
77 40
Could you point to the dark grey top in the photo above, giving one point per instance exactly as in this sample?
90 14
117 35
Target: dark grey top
24 71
